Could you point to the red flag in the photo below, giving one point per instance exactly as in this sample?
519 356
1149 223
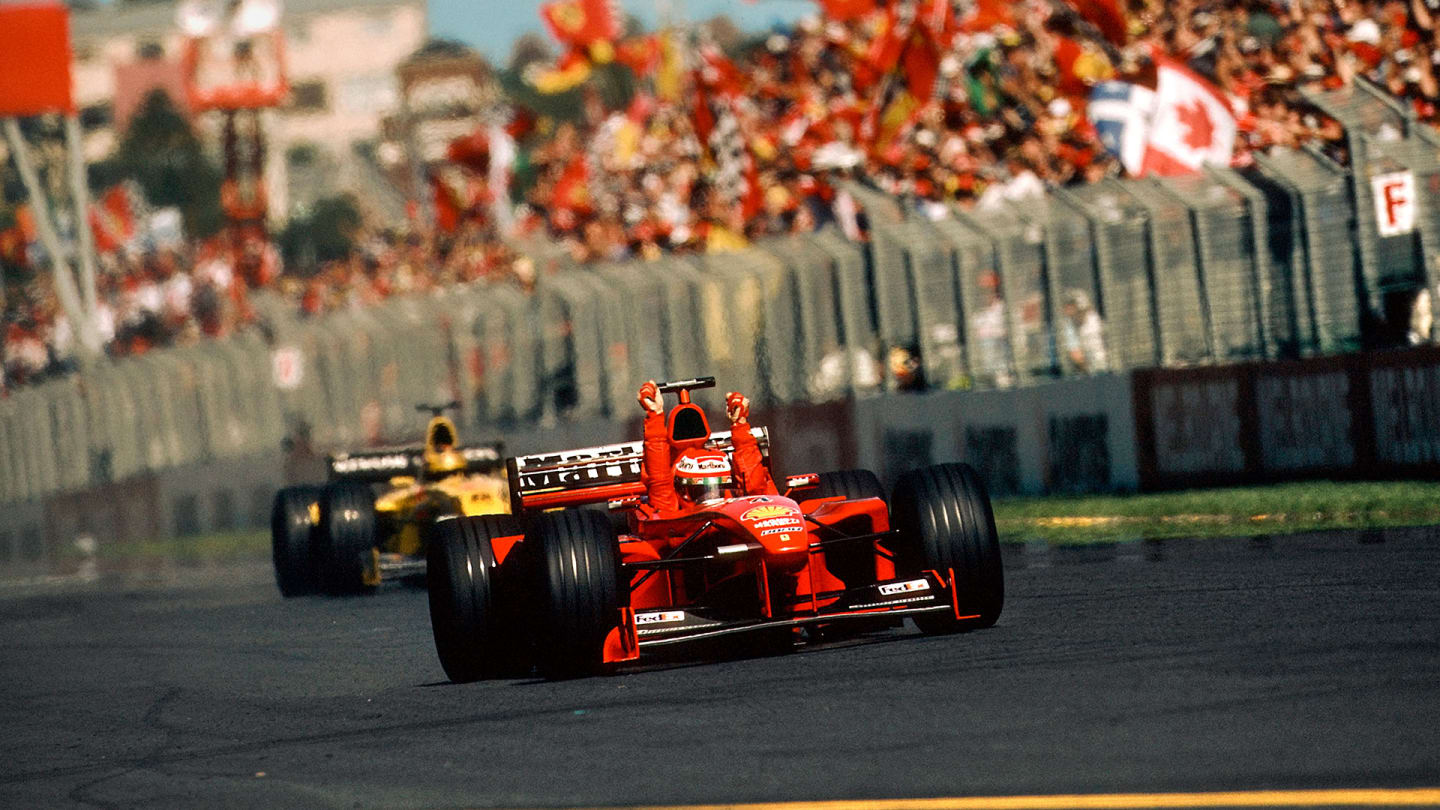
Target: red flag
447 208
522 121
571 193
885 50
1081 66
112 220
34 60
921 64
844 10
640 54
580 23
702 117
471 151
937 17
754 197
1104 15
987 14
718 73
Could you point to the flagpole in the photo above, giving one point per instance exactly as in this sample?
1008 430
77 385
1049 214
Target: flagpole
64 282
80 196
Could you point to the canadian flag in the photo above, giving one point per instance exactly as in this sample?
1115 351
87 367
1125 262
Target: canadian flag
1192 124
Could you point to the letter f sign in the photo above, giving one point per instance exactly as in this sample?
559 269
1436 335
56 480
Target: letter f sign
1394 203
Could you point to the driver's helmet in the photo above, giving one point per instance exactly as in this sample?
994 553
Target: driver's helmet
443 461
702 475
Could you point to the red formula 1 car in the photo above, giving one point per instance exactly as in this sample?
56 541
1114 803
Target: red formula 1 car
574 589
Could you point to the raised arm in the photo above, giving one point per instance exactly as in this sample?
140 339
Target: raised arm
750 472
655 466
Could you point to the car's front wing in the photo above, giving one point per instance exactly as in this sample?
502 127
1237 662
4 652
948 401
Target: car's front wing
931 592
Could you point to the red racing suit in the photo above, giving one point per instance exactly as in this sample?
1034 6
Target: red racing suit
657 470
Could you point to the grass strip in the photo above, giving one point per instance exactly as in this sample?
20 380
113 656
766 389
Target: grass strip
1059 520
1229 512
216 546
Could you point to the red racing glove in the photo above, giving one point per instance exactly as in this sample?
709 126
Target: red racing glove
737 407
649 398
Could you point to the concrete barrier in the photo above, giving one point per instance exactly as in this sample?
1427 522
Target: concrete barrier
1074 435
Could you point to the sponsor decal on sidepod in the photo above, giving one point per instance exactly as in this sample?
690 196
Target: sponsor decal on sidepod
793 521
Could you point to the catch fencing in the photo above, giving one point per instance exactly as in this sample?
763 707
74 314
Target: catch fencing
1286 259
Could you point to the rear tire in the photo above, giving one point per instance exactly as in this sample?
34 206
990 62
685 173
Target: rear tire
849 484
944 518
853 563
577 558
291 539
477 634
347 536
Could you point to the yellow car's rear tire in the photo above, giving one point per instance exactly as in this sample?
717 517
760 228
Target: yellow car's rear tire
473 615
292 536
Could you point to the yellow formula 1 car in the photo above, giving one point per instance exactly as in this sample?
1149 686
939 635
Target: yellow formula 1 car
373 519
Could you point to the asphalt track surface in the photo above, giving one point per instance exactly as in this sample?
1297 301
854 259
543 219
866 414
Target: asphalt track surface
1290 663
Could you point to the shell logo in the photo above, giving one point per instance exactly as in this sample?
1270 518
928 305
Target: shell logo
763 512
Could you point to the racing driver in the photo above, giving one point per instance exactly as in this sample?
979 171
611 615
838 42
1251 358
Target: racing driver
697 475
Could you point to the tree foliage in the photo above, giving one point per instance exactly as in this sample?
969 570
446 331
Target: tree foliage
162 153
325 233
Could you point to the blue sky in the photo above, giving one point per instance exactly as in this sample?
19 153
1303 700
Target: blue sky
491 26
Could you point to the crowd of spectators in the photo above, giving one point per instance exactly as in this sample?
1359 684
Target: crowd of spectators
163 297
1004 117
180 294
763 140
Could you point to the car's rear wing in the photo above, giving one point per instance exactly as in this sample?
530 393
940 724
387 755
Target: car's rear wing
379 466
593 474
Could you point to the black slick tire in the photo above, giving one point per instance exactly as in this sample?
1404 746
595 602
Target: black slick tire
945 521
477 627
577 566
847 484
291 538
347 535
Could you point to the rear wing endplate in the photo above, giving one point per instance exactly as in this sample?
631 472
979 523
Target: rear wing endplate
594 474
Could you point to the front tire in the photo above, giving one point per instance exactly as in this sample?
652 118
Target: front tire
945 521
578 566
476 635
291 538
347 536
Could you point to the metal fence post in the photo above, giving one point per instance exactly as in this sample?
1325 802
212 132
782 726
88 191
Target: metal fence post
1179 306
1023 289
1118 231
